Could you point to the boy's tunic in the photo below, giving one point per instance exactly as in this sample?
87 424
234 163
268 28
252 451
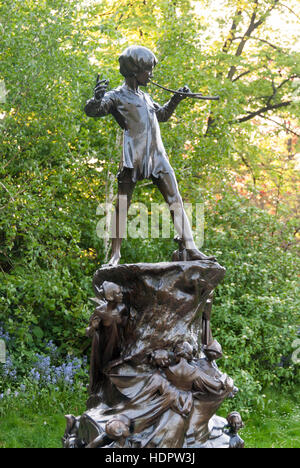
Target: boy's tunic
138 115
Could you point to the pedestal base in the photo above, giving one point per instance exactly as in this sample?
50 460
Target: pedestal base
152 385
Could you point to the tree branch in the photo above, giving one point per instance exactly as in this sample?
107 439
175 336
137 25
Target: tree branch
242 74
264 16
281 125
292 11
230 37
252 26
275 89
251 115
290 243
248 165
261 40
2 185
268 105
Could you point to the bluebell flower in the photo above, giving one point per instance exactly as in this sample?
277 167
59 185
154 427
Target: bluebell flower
35 375
8 369
4 335
54 351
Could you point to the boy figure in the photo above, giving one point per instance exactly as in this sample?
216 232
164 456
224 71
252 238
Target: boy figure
144 155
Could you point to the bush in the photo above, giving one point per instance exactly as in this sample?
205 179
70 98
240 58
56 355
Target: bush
256 311
29 375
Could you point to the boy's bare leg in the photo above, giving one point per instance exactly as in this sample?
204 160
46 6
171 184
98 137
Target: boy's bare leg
125 191
168 187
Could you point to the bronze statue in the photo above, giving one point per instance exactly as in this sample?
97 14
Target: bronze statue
235 423
144 156
106 328
154 380
117 430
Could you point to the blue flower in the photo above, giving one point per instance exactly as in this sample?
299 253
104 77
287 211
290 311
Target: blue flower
35 375
8 369
4 335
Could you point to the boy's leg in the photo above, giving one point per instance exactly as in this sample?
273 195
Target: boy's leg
168 187
125 191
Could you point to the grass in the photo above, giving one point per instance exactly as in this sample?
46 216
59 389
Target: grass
21 430
277 425
40 423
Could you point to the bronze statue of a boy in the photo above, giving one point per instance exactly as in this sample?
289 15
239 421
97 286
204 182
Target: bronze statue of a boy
144 155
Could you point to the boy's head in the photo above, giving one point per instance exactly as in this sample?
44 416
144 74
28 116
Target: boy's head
136 59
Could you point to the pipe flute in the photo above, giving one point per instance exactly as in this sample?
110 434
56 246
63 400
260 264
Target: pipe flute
191 95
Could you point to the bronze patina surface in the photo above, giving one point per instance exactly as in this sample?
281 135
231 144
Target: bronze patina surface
154 381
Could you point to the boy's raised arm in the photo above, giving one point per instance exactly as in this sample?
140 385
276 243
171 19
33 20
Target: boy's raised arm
164 112
101 103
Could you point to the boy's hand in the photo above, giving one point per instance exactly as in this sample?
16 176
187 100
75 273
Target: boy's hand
185 90
100 89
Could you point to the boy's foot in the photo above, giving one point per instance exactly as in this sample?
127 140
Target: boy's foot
195 254
114 261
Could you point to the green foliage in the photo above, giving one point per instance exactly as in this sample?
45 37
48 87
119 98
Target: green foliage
256 313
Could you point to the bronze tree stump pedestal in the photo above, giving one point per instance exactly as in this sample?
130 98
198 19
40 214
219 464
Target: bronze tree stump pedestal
154 382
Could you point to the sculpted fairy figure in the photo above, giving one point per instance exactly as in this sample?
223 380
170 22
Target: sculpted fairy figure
106 328
144 155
